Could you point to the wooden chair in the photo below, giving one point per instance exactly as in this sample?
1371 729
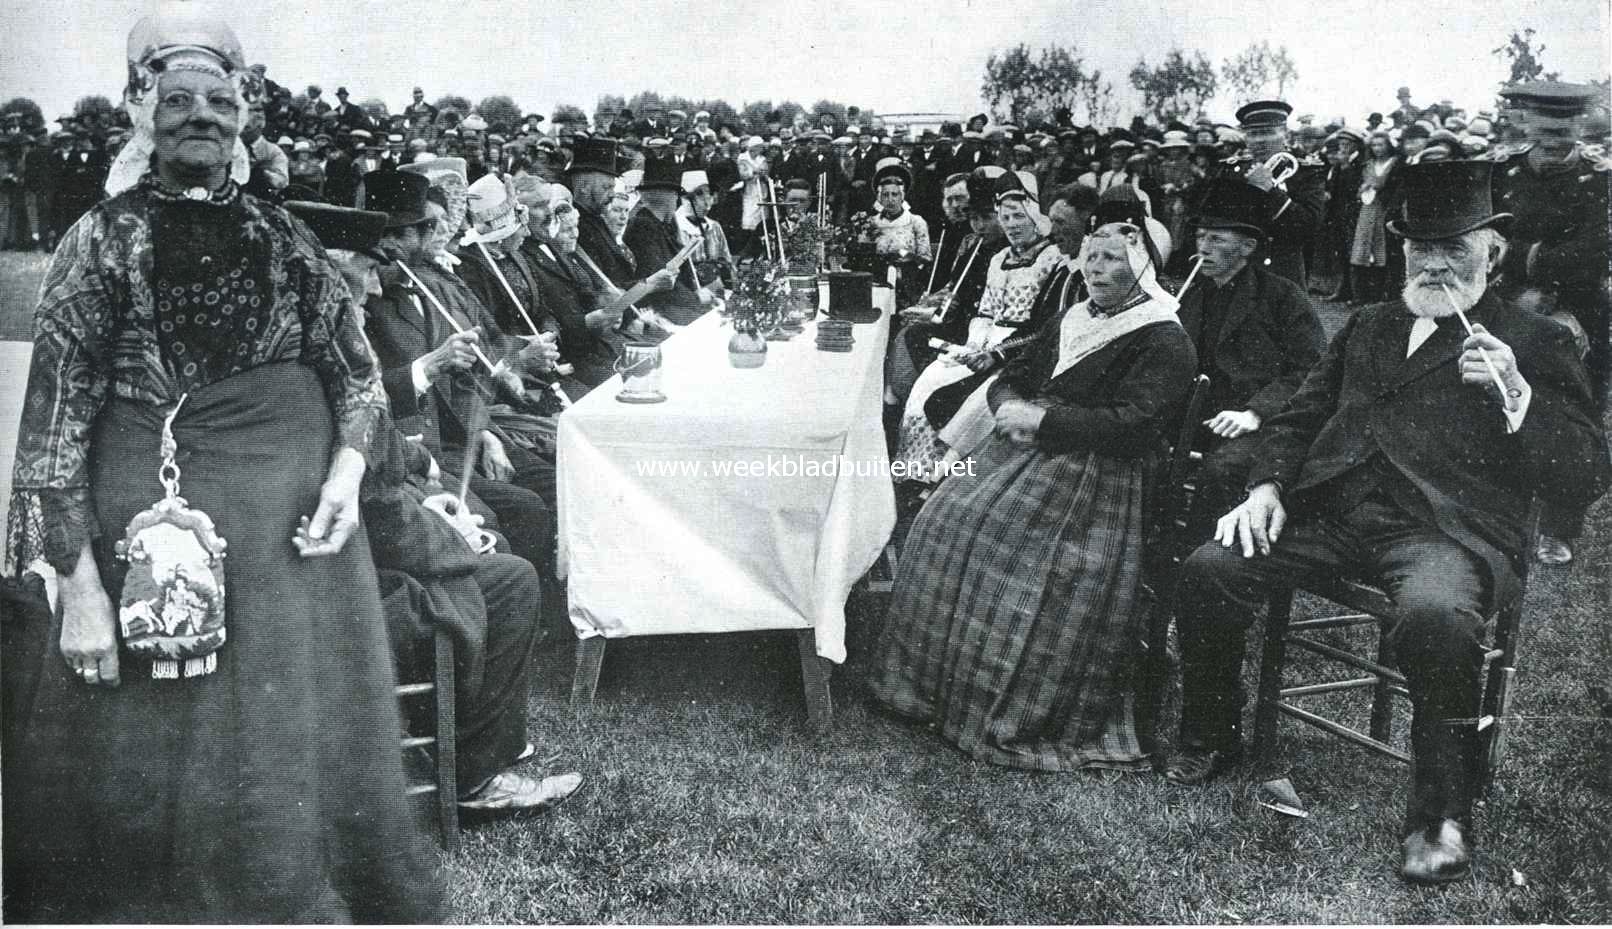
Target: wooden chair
1371 605
442 744
1170 503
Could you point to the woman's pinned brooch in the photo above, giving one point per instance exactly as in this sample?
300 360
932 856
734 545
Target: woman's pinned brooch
172 607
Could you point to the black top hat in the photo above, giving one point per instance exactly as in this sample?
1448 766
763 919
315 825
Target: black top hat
595 155
1444 199
1264 113
659 174
1232 204
342 227
398 194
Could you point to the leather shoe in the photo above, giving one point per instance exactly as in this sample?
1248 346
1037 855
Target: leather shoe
507 794
1436 855
1194 766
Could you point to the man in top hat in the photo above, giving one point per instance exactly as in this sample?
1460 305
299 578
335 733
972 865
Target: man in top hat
653 236
1292 208
1557 263
433 375
1400 461
430 577
1256 335
593 174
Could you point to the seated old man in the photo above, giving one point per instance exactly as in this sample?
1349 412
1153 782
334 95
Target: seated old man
432 575
1402 461
1256 335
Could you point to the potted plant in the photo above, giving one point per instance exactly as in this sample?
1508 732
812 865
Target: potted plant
757 305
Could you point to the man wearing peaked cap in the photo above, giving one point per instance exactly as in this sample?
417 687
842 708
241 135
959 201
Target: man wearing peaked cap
1256 334
1557 262
1294 207
1399 460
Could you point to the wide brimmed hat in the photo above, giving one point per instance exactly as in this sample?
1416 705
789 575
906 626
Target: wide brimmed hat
398 194
1233 204
662 174
594 155
342 226
888 168
1176 138
1445 199
491 210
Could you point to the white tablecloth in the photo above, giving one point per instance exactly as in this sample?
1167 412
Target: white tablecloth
660 532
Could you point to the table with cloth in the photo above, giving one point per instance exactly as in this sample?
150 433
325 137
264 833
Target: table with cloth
750 499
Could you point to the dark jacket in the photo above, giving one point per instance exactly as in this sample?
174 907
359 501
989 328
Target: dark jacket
1268 341
654 243
1366 399
1115 401
616 261
568 294
1291 218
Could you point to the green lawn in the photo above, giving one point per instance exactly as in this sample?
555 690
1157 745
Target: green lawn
708 801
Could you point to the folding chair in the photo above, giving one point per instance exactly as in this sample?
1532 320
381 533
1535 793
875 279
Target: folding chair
1370 604
442 743
1169 506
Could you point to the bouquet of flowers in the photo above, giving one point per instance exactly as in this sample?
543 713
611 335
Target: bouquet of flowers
851 243
760 296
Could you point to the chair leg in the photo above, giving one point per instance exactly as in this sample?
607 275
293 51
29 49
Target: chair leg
1270 673
1382 704
1154 677
590 660
814 675
447 743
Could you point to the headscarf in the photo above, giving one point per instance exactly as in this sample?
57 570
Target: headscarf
1138 254
177 39
1081 333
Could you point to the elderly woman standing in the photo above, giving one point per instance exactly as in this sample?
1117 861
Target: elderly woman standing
247 768
1018 591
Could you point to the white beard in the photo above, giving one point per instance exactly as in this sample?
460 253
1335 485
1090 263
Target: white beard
1429 302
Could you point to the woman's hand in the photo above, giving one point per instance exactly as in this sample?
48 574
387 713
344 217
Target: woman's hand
89 641
1019 420
337 516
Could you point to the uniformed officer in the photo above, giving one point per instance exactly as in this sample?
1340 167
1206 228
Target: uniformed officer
1293 208
1557 260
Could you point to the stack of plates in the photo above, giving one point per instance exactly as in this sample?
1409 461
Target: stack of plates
834 335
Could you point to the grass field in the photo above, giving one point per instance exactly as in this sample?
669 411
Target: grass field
708 801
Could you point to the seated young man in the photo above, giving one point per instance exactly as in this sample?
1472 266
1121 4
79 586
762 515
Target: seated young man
1403 462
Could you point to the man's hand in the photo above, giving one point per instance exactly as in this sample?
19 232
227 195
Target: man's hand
456 353
1261 177
1019 420
706 297
1475 371
1256 523
662 279
494 461
1229 424
542 352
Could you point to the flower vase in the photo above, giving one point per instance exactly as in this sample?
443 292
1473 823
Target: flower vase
747 348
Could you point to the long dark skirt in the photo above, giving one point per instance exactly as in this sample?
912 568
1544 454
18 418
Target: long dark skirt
270 790
1014 611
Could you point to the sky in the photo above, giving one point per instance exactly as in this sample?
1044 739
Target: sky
925 55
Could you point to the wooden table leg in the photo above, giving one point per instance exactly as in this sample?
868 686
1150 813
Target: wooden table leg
590 658
814 674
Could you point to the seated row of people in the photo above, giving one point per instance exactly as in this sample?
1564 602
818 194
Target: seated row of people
1406 453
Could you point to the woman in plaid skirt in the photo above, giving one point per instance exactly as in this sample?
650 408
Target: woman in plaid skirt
1016 602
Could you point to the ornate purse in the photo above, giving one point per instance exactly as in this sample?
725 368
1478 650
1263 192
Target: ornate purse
172 607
